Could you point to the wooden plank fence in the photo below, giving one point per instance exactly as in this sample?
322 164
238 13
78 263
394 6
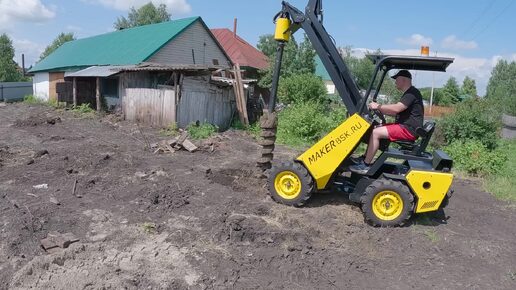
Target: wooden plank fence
438 111
155 107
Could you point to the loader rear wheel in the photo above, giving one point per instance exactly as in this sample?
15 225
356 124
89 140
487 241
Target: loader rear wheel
387 203
290 184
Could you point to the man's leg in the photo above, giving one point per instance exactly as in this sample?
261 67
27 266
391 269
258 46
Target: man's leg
372 147
374 142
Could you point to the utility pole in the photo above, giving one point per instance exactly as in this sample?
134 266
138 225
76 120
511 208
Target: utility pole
425 51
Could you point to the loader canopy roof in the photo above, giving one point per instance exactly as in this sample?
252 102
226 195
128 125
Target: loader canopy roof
427 63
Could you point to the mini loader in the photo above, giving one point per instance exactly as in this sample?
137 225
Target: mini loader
401 182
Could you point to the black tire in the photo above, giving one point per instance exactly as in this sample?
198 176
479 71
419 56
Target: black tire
387 203
290 183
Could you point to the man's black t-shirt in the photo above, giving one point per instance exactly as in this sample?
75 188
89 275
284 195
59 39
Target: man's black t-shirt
412 117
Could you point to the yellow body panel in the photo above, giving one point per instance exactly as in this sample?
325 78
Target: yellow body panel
327 154
282 32
429 187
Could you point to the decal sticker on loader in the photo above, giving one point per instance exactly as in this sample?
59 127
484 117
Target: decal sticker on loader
325 156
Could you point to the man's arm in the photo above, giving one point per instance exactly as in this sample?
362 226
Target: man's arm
390 109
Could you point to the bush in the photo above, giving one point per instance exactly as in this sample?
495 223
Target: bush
472 120
336 117
84 109
502 183
305 123
201 131
301 123
473 157
301 88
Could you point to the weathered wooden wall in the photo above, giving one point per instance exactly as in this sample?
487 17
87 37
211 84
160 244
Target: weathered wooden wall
153 107
205 103
55 77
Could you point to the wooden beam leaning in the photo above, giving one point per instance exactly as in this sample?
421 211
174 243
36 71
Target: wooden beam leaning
239 95
97 94
75 92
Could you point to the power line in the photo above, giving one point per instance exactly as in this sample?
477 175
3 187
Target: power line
474 23
494 19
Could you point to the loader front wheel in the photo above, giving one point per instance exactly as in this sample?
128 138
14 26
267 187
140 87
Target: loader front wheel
387 203
290 184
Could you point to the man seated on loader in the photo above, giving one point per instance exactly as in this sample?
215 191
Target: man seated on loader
409 116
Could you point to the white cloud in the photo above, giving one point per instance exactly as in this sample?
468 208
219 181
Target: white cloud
452 42
30 49
415 40
12 11
173 6
478 69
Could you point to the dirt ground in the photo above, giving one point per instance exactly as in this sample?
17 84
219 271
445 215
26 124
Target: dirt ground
204 220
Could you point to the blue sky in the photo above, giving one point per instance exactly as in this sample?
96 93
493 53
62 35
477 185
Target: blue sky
476 33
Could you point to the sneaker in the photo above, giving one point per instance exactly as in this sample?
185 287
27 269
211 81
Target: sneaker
360 168
357 160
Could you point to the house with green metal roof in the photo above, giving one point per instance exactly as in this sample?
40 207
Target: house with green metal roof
173 55
320 71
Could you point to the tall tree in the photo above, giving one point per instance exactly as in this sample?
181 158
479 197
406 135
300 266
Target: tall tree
296 58
305 58
451 91
9 71
501 88
147 14
362 70
469 88
61 39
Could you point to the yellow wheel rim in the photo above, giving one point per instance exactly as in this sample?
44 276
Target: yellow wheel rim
387 205
287 185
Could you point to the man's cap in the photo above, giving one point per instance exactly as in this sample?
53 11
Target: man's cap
402 73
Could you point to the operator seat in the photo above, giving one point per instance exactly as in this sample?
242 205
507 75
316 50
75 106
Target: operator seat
419 146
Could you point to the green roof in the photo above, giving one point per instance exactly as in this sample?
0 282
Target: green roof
123 47
320 70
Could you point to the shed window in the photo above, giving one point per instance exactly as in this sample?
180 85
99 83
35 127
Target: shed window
110 87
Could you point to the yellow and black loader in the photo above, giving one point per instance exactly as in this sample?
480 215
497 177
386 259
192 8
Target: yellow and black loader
401 182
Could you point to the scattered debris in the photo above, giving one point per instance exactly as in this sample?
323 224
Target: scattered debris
53 120
140 174
54 200
175 144
40 153
56 239
74 189
189 146
41 186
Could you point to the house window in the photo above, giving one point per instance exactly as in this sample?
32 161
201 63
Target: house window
215 61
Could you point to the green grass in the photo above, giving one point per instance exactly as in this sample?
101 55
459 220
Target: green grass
253 129
503 184
201 131
170 130
31 99
149 227
432 236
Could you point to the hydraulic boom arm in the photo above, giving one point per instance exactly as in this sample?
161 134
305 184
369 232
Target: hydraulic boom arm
311 23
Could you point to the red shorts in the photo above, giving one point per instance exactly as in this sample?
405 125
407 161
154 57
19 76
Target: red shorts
398 133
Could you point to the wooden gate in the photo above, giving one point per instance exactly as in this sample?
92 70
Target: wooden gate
155 107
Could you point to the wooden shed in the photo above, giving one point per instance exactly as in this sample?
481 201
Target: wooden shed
148 72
